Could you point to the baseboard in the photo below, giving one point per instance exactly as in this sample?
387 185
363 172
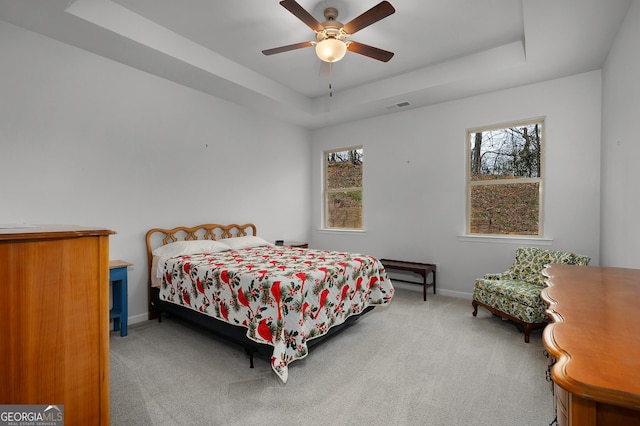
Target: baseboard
138 318
417 287
453 293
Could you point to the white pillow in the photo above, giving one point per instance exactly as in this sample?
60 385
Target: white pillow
185 248
249 241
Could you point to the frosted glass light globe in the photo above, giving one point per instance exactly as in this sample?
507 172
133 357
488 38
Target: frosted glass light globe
331 50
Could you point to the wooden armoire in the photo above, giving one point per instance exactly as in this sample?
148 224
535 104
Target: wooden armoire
54 319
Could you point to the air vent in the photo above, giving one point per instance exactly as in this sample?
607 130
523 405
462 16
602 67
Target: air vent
398 105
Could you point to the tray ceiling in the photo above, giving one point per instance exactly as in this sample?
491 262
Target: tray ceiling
444 49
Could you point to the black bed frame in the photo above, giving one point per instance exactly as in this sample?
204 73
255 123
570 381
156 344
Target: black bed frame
234 333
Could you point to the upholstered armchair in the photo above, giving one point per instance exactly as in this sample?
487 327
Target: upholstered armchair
515 293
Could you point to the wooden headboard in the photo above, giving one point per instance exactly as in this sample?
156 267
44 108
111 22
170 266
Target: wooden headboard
157 237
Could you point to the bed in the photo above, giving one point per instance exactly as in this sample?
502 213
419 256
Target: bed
265 297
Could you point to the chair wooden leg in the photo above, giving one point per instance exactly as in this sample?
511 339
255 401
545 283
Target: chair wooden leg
525 326
527 331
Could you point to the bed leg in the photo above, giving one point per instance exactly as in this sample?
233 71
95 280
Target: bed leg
159 316
250 352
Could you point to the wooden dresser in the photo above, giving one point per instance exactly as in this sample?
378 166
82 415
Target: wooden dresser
595 341
54 320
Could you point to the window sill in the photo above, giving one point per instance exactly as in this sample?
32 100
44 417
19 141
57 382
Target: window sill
505 239
342 231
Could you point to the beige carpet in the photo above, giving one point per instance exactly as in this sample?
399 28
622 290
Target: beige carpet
411 363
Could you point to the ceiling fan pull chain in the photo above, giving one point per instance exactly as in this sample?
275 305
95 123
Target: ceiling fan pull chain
330 74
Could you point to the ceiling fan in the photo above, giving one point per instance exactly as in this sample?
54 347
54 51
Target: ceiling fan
331 36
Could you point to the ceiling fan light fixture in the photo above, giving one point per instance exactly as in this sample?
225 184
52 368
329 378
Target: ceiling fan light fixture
331 49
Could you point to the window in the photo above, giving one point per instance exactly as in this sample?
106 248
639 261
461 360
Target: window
505 179
343 188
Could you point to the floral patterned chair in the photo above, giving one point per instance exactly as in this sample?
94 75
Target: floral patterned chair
515 294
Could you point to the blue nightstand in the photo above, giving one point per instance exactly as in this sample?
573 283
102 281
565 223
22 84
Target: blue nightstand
118 279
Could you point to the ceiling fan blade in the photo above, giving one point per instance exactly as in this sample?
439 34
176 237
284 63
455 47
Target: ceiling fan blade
373 15
293 7
370 51
288 48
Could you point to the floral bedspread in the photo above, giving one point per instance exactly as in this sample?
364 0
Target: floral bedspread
283 296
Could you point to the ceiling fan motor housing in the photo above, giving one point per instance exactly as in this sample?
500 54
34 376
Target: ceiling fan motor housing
332 28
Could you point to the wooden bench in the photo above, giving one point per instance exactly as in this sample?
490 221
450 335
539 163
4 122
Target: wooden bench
422 269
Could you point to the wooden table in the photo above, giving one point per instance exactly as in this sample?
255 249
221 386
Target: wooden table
422 269
595 339
292 244
296 244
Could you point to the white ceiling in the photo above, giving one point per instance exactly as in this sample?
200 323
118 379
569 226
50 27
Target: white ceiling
444 49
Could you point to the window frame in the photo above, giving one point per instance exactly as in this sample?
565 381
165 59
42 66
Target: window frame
539 180
326 191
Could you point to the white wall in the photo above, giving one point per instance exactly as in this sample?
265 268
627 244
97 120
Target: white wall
621 147
414 178
87 141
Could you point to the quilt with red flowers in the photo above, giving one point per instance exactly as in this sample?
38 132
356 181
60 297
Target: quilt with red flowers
283 296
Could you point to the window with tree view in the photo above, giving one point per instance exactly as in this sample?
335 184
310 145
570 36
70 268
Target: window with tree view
505 180
343 188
